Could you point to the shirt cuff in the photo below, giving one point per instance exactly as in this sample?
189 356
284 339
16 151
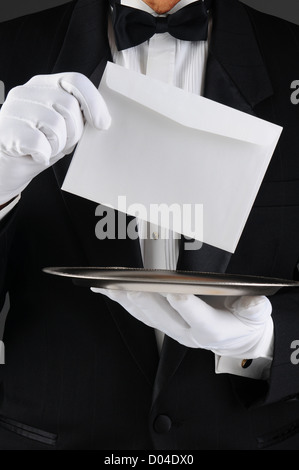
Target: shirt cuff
258 368
9 207
251 368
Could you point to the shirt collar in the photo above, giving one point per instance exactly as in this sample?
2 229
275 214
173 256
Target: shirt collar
143 6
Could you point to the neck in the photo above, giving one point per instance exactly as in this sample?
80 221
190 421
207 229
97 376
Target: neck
161 6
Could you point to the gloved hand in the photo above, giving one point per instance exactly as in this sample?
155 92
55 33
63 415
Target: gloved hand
42 121
240 327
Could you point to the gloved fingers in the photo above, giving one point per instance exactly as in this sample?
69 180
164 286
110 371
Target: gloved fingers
121 298
74 125
51 105
57 105
45 88
159 311
91 102
251 310
22 138
195 311
151 309
16 172
218 301
57 157
208 326
44 119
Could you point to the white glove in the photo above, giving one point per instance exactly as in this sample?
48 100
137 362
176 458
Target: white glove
240 327
42 121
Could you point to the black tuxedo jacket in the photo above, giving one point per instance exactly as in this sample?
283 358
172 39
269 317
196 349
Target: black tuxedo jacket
80 372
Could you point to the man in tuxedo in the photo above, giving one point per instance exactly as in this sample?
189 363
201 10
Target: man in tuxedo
89 370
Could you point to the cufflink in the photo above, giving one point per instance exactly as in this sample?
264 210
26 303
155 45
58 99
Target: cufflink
246 363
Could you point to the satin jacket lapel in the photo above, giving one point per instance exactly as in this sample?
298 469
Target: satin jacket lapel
86 50
86 40
235 76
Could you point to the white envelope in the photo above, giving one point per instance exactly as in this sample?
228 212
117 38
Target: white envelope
168 146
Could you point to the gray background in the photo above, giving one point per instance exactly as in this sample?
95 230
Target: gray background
287 9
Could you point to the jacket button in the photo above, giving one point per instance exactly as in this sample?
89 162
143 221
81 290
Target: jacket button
162 424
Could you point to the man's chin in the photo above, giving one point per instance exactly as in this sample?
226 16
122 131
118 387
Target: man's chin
161 6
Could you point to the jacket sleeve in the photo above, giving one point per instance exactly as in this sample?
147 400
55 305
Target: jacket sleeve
283 383
284 377
7 230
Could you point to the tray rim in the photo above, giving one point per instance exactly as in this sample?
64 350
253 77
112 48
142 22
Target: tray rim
256 281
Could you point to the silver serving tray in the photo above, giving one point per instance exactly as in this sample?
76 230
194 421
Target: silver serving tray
164 281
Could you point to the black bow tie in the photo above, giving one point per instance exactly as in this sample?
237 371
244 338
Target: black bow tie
133 26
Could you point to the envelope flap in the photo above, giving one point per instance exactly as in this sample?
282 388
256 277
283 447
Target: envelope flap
187 109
